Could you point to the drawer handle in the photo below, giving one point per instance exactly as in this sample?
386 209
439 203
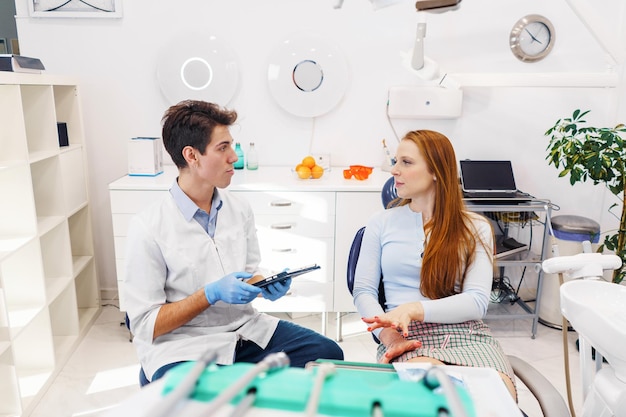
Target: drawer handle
282 226
282 203
282 250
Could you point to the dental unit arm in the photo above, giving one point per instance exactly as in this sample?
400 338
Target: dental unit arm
587 267
582 265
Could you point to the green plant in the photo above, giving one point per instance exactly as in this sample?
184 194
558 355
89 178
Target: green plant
597 154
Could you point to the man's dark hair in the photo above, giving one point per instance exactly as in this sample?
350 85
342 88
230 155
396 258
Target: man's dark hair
191 123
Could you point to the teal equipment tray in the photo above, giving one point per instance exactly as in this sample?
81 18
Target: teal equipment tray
352 391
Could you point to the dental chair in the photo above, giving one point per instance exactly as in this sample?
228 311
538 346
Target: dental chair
550 400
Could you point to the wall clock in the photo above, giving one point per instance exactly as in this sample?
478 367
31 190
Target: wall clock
532 38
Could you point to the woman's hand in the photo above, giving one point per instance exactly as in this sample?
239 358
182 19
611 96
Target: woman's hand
398 318
396 344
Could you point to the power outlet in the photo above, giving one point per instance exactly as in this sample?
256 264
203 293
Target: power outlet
322 159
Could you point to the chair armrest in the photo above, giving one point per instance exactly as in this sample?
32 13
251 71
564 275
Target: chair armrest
548 397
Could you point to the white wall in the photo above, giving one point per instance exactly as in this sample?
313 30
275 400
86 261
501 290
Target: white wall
115 60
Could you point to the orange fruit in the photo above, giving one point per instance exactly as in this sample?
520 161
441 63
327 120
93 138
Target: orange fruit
308 161
317 171
298 167
304 172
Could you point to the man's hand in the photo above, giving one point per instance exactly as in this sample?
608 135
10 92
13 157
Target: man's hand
231 289
276 290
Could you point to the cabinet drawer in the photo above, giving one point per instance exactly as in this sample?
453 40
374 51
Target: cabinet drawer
314 205
301 251
303 296
123 201
282 227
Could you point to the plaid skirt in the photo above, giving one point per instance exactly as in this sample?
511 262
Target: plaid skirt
465 344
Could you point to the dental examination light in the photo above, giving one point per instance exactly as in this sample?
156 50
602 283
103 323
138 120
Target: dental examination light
430 6
438 6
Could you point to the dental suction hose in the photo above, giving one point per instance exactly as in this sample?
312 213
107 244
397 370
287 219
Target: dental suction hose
271 362
176 397
436 377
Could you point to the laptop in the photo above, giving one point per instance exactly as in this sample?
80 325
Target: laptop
490 180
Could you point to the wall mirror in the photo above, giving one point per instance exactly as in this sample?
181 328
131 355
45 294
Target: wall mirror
307 75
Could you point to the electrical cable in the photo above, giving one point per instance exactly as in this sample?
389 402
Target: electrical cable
393 129
564 328
521 279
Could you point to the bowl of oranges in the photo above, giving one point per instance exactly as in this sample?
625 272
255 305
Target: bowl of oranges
308 169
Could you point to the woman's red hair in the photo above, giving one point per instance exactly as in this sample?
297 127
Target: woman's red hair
451 237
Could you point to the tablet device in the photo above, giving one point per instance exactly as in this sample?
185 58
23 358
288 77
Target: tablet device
281 276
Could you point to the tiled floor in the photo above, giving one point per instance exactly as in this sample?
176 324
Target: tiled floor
103 370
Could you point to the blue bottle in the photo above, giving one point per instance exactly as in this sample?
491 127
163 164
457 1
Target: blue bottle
240 162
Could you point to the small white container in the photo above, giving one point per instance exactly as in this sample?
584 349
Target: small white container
145 156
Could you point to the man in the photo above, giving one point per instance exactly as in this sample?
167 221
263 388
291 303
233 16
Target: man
189 256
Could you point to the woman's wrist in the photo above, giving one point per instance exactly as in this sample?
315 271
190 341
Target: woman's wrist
417 311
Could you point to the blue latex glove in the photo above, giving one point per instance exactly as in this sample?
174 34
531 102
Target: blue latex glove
231 289
276 290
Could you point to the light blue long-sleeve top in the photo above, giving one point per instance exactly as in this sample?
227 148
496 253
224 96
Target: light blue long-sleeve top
393 244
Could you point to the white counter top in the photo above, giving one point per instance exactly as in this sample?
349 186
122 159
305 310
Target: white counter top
264 179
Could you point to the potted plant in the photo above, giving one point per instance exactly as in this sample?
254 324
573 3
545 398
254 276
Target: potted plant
597 154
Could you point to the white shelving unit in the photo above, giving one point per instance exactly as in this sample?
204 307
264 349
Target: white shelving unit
48 286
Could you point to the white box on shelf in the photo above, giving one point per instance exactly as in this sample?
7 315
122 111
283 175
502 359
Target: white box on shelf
145 156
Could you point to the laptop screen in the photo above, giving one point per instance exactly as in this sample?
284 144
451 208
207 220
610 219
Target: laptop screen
484 176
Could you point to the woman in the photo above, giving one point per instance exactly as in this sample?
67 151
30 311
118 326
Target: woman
436 261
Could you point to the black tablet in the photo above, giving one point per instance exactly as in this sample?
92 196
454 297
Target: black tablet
281 276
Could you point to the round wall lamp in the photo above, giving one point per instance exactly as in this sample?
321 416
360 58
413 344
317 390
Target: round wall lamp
307 75
198 67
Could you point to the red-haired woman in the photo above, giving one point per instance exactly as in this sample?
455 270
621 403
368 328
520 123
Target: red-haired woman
436 262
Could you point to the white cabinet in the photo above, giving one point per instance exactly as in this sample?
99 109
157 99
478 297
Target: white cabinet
353 212
48 287
295 229
299 222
